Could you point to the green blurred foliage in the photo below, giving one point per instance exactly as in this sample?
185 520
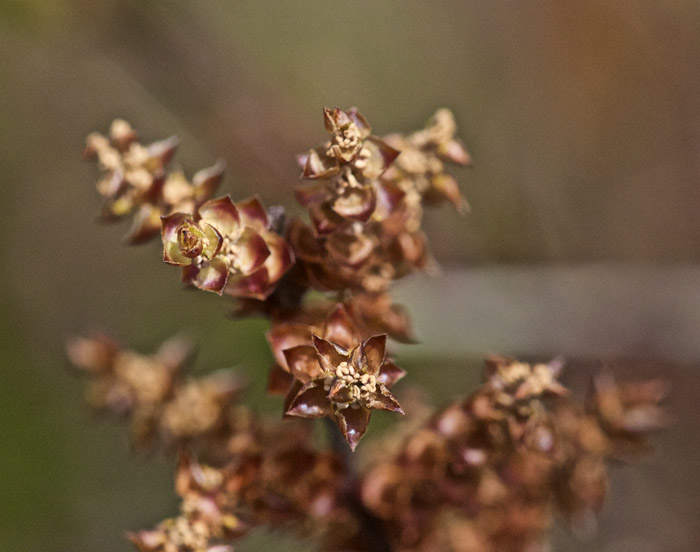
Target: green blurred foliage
582 118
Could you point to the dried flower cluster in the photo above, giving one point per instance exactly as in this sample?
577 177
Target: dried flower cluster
364 233
221 246
269 473
152 393
365 203
481 475
484 474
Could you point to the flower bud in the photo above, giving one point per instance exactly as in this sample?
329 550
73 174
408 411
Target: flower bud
190 239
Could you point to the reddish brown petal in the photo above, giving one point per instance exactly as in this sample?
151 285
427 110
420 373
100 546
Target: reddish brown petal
213 241
154 192
357 358
455 152
286 336
446 186
206 181
319 166
189 273
374 350
413 248
360 122
281 257
278 380
352 423
222 214
381 156
253 213
349 248
291 395
303 363
311 194
303 240
212 276
385 400
389 153
340 328
255 285
330 355
161 152
339 392
325 278
333 118
390 373
356 203
112 185
171 248
310 402
325 219
170 224
251 251
145 226
389 196
397 323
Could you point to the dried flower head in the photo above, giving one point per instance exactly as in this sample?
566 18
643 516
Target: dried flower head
212 247
421 169
345 384
135 180
489 469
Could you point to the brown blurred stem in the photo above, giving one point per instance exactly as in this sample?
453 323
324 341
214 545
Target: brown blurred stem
372 532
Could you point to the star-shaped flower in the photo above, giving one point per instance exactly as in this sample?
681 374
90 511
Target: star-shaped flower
345 384
213 245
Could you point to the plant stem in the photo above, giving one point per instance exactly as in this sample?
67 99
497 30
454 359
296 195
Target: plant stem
373 536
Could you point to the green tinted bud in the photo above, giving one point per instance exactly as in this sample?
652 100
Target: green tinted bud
190 239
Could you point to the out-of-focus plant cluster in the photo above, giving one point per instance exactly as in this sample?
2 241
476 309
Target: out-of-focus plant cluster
483 474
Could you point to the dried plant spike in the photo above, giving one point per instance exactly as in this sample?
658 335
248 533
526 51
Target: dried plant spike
487 472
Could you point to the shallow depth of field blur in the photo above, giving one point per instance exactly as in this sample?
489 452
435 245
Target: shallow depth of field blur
583 119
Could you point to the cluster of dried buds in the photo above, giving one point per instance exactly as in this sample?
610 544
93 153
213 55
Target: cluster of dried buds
135 180
486 473
365 203
365 207
277 479
268 474
152 393
364 232
482 475
221 246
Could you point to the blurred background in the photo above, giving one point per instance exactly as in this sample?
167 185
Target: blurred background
582 118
